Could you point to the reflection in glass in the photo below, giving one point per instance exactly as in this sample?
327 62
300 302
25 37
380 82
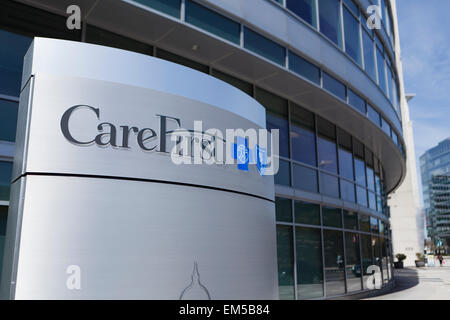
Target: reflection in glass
350 220
263 46
329 185
366 248
346 164
331 217
327 155
351 32
307 213
283 209
5 179
285 251
334 86
384 260
381 71
309 263
360 172
303 144
374 225
364 223
372 201
8 120
361 196
370 179
305 178
329 17
347 191
283 175
353 262
277 121
305 9
334 262
369 55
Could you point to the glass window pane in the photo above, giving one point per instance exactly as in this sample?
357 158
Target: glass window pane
304 68
285 254
334 86
263 46
309 263
302 136
353 262
360 172
305 178
344 139
361 196
357 102
332 217
384 260
347 191
378 184
381 72
276 117
351 34
329 185
283 175
372 201
376 251
8 120
329 17
369 55
389 84
5 179
364 223
350 220
307 213
212 21
170 7
366 248
352 6
327 155
374 225
305 9
283 209
106 38
334 262
373 115
169 56
346 164
11 61
385 127
370 179
3 218
235 82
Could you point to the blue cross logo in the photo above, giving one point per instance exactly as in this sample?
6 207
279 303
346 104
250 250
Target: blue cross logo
244 155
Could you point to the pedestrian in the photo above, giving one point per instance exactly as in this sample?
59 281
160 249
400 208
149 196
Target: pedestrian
441 259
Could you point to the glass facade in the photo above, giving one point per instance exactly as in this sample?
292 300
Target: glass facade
323 250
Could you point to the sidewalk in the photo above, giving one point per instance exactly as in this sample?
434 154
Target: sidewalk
429 283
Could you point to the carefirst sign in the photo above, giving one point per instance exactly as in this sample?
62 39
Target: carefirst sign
189 146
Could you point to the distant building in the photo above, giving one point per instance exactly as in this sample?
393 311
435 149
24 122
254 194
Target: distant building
435 171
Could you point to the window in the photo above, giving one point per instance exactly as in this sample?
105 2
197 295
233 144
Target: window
329 185
283 176
11 61
212 22
276 117
353 262
309 263
334 262
334 86
305 178
389 84
302 135
263 46
373 115
305 9
169 56
356 101
5 179
329 17
304 68
372 201
366 249
350 220
235 82
347 191
352 6
332 217
370 179
360 172
394 138
364 223
346 164
170 7
351 33
369 55
285 250
8 120
385 127
3 218
307 213
326 146
381 71
374 225
283 209
361 196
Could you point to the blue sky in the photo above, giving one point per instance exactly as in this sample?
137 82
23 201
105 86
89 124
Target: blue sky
424 29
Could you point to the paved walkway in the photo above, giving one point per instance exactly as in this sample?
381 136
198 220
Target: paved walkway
429 283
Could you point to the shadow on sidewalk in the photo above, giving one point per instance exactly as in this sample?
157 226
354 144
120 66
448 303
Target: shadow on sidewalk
405 279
